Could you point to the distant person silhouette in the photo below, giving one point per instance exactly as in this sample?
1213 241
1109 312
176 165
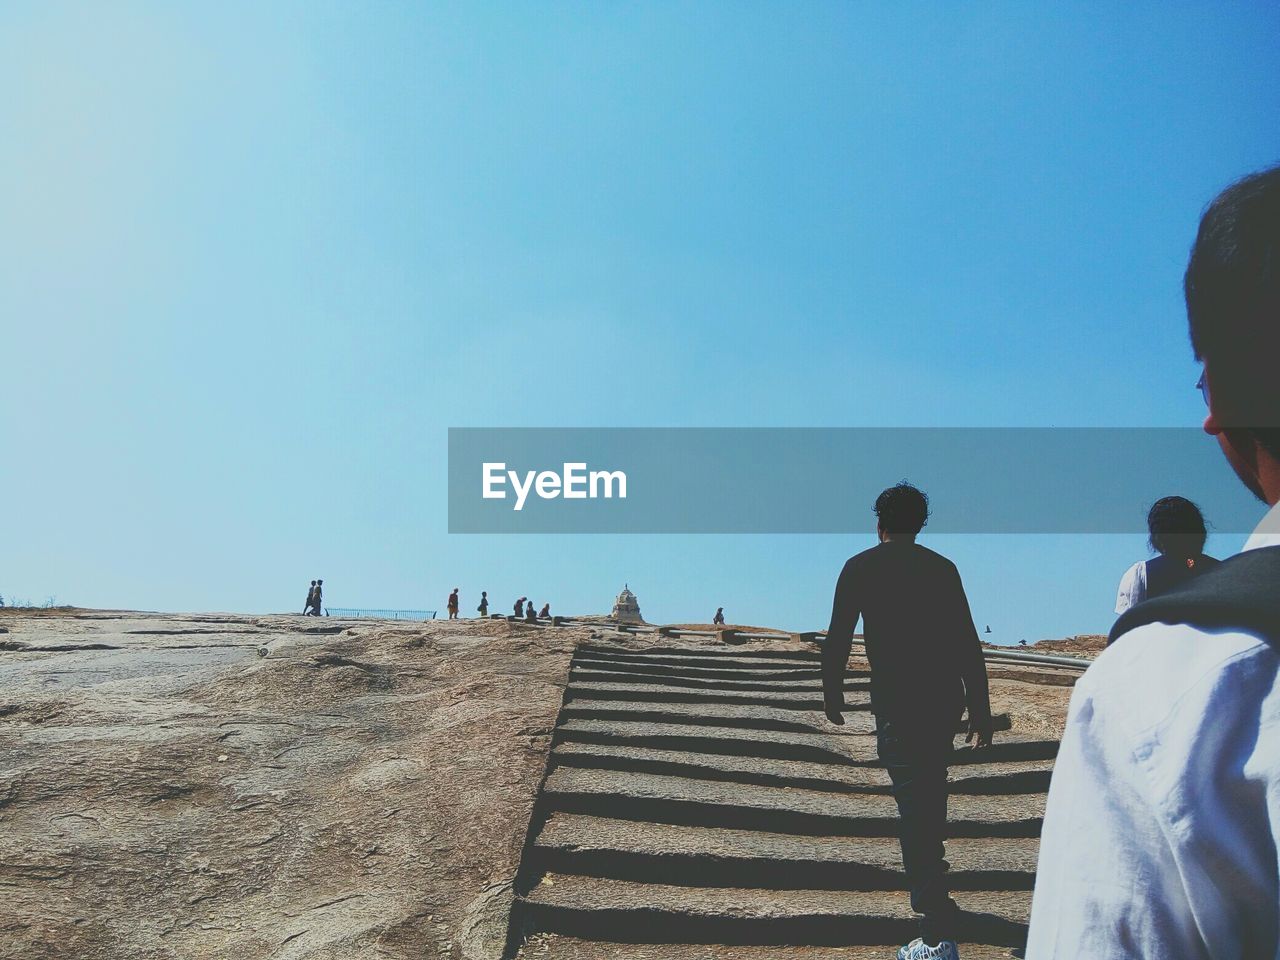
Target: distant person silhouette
311 599
1177 534
519 608
483 609
926 668
317 599
545 612
530 615
718 619
452 604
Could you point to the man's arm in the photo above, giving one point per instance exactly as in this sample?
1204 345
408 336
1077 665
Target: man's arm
845 611
973 669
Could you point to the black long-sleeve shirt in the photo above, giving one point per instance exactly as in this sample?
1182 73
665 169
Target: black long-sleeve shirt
926 661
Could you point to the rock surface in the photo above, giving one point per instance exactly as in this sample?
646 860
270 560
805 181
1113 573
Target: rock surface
218 786
250 787
699 805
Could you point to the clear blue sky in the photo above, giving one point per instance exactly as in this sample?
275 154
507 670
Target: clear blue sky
256 259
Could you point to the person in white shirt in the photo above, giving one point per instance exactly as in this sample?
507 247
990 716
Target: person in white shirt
1160 835
1177 535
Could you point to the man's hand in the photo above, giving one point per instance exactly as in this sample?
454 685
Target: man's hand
834 714
982 729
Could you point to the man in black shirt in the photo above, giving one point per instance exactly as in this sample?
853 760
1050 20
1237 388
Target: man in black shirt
926 668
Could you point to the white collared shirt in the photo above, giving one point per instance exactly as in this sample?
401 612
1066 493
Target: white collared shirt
1133 587
1160 835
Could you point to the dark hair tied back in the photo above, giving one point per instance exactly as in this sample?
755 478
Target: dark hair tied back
1177 528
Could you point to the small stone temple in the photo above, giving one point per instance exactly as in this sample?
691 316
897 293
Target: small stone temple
626 608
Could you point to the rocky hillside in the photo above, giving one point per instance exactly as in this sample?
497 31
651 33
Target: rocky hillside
231 787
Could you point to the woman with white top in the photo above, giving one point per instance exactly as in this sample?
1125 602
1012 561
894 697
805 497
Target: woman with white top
1177 534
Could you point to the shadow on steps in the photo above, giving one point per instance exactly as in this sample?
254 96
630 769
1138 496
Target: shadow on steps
731 746
1018 782
680 696
701 870
706 813
690 719
648 678
772 672
656 926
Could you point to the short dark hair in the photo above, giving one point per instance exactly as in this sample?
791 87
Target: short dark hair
902 509
1232 288
1177 527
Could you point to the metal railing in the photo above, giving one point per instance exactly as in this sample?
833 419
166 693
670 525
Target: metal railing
360 613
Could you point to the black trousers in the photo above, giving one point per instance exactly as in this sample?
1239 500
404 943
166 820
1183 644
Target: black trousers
916 759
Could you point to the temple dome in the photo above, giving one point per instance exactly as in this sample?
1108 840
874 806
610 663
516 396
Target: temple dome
627 608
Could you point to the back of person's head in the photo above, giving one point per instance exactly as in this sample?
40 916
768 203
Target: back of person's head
318 582
1177 528
1232 287
902 509
313 583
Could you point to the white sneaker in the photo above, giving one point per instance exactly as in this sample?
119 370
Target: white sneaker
917 949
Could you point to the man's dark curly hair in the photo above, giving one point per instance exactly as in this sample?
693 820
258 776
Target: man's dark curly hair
902 509
1177 528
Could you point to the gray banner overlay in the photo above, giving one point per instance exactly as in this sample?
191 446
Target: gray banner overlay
818 480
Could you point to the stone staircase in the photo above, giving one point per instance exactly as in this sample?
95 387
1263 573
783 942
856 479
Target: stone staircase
698 804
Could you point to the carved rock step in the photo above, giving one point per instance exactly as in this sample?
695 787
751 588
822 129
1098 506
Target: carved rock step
763 715
749 731
995 778
553 946
854 746
699 856
731 670
619 910
727 717
756 665
656 691
685 678
702 653
658 799
699 805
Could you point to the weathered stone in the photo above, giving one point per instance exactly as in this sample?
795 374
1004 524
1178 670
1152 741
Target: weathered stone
700 803
349 795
